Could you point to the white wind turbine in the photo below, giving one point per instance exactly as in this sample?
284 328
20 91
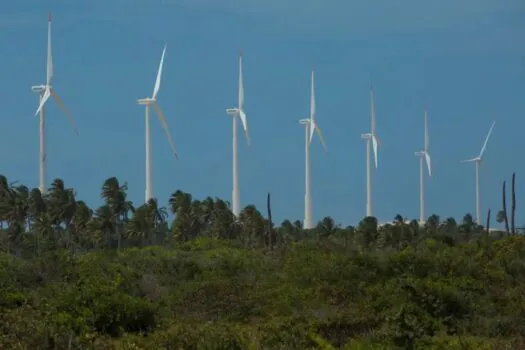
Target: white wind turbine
424 156
238 112
46 91
152 101
310 127
478 160
371 140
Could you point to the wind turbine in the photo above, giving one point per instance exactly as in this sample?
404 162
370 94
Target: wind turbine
371 140
310 127
152 101
238 112
478 160
424 156
44 92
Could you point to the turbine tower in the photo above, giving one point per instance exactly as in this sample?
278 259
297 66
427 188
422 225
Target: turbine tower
371 140
44 92
238 112
424 156
310 127
152 101
478 160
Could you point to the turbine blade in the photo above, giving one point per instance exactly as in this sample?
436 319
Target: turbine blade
165 127
312 97
426 132
318 131
312 127
49 70
427 158
244 122
241 85
374 146
372 113
43 100
64 109
486 140
159 74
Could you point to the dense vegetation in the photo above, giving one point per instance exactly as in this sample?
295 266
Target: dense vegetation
120 277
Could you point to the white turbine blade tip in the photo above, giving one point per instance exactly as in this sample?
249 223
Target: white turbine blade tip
159 73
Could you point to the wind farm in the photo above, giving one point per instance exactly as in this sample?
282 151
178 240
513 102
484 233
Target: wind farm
322 197
44 92
310 127
478 161
152 102
238 112
372 144
239 116
424 158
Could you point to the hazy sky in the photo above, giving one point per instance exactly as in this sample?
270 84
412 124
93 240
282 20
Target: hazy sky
465 60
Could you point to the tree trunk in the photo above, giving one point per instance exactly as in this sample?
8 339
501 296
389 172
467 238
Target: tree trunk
513 213
118 235
269 232
505 209
488 222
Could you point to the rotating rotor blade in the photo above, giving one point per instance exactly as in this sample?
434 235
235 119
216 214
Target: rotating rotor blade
374 147
427 159
312 98
43 100
426 132
165 127
49 70
241 85
64 109
159 74
319 133
486 141
312 127
372 113
244 122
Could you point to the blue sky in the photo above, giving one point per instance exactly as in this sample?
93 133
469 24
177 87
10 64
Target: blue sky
465 60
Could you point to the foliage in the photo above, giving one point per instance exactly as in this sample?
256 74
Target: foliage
120 277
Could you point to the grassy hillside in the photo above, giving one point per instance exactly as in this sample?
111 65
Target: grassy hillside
217 294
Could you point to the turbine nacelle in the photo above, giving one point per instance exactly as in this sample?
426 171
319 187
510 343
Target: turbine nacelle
476 159
366 136
39 88
233 111
305 121
146 101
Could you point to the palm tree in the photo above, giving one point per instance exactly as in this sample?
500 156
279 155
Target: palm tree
327 227
61 205
15 207
36 208
42 229
223 220
179 201
156 217
252 224
104 223
432 223
83 215
367 230
115 197
5 194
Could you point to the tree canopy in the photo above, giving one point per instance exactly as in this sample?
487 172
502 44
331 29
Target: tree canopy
122 276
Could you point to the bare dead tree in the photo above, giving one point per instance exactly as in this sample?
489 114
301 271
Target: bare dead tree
513 212
269 228
505 217
488 222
